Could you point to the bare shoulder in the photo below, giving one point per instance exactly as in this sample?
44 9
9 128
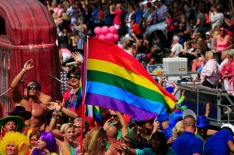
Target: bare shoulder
44 98
25 103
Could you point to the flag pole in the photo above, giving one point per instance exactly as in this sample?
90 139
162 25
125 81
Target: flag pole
84 79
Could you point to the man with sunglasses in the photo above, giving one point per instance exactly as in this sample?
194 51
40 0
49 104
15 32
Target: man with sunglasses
72 98
33 100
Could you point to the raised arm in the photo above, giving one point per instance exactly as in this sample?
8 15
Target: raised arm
123 123
27 66
52 126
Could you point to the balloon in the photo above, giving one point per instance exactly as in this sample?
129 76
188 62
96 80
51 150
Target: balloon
105 30
116 38
113 30
97 30
102 37
110 37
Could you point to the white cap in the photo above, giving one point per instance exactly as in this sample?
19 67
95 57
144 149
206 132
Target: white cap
144 2
189 112
207 33
228 125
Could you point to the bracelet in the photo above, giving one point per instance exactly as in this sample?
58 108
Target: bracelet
23 70
56 114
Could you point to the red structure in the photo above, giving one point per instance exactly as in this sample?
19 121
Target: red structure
27 31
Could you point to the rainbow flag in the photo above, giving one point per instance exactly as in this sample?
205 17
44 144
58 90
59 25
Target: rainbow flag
117 81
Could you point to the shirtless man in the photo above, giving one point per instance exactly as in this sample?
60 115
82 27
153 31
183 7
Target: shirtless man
111 133
32 100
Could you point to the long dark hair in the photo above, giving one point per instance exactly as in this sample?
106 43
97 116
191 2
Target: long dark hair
163 148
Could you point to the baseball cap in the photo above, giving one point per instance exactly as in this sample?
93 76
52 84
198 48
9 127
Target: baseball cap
207 33
228 125
189 112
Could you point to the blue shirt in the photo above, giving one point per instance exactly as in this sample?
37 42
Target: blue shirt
150 151
187 144
217 144
139 15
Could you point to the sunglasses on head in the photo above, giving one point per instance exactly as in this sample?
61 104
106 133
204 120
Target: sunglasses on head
75 77
75 126
32 87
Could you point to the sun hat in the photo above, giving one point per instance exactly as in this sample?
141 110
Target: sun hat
16 119
189 112
202 121
131 138
228 125
19 110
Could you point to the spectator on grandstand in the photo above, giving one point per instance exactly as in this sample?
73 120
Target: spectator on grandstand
170 27
227 71
222 42
161 10
176 48
118 15
210 73
108 17
201 21
216 16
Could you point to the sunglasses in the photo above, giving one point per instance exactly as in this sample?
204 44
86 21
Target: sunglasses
75 77
76 126
221 30
113 116
32 87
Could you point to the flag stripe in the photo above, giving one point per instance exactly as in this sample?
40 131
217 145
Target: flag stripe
100 100
127 85
125 96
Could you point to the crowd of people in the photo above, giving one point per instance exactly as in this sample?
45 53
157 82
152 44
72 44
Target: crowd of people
201 31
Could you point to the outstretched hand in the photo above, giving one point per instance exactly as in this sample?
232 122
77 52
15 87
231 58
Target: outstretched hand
77 57
55 106
28 65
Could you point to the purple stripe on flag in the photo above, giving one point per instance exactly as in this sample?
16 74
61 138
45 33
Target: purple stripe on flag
118 105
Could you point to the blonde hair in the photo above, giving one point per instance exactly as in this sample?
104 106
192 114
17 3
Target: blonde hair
178 129
209 54
19 140
65 126
92 143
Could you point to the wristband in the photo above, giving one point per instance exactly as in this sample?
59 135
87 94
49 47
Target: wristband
23 70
